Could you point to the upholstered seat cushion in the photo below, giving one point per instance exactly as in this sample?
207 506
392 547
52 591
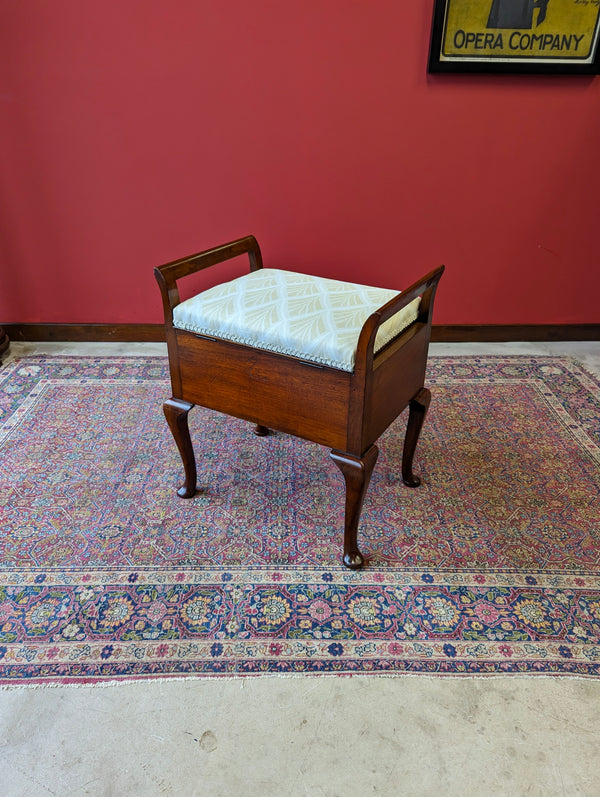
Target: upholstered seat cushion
313 318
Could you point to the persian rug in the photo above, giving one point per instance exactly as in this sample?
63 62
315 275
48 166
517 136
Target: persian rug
492 566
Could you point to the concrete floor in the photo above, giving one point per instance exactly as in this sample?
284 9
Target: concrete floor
311 737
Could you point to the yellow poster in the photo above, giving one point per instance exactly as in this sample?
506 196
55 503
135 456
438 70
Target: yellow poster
519 30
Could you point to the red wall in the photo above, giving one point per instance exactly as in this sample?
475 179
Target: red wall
134 132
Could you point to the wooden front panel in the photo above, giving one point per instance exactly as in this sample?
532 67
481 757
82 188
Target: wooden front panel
269 389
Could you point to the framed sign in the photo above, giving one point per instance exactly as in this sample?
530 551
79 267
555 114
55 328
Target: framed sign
523 36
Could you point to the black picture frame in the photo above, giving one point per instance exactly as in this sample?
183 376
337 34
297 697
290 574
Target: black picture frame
488 43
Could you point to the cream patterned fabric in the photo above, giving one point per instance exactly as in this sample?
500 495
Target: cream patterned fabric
313 318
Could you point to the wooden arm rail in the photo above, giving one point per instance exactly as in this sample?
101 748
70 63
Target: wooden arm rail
168 274
425 288
345 411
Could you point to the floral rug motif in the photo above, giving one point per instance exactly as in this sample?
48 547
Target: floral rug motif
491 566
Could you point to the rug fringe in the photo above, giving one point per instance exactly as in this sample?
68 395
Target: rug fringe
243 679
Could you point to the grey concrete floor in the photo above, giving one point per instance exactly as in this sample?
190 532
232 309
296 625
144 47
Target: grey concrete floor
311 737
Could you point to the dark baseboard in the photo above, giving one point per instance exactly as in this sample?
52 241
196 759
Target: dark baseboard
454 333
499 333
88 333
4 344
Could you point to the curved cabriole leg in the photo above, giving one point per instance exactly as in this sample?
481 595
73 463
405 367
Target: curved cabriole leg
261 431
418 410
176 413
357 475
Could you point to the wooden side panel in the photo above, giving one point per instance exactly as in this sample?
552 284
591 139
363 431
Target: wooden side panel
265 388
398 378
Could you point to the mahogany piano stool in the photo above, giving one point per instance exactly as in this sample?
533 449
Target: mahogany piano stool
278 378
